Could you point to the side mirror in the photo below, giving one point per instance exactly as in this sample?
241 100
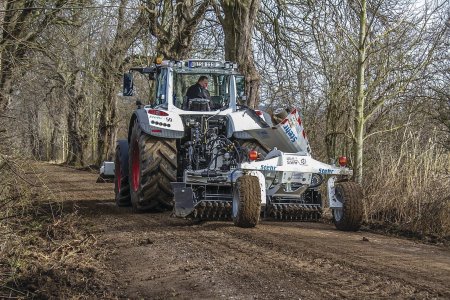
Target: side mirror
127 84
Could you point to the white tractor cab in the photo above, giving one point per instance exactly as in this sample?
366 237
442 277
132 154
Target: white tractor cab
173 78
217 159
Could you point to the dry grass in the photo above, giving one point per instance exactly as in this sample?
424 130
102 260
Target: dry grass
408 184
44 251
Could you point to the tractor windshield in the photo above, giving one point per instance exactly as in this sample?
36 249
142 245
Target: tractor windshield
218 88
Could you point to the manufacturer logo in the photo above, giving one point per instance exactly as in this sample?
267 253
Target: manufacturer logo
267 168
287 129
295 161
325 171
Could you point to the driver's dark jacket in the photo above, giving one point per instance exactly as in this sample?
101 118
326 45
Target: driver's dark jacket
197 91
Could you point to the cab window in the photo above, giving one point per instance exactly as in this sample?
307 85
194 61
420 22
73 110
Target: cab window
240 86
161 86
217 87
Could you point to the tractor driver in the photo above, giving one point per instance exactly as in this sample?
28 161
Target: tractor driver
198 90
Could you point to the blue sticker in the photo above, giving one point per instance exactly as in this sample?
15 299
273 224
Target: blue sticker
287 129
267 168
325 171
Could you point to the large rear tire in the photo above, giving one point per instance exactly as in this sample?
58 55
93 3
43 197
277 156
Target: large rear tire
121 179
350 216
153 165
246 201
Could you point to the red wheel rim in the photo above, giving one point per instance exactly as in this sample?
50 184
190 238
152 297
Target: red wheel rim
135 167
118 174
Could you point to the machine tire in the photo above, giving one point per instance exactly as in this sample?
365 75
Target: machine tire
121 179
152 165
246 201
350 217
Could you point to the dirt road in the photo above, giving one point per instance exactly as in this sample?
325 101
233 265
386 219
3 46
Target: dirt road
154 256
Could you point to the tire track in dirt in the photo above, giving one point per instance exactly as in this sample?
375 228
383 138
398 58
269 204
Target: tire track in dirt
342 262
370 251
339 280
159 257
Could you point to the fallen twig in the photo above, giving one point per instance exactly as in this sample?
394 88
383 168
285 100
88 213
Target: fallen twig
17 291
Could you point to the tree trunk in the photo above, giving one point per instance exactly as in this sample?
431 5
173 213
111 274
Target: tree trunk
53 142
107 131
7 50
238 23
76 137
33 133
5 81
360 97
331 126
111 68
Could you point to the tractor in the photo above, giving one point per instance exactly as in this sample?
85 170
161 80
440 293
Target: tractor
215 158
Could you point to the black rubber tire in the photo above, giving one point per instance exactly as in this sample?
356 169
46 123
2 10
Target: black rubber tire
157 169
248 208
351 195
122 191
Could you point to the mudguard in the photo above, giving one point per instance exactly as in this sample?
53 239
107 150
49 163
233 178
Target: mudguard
158 128
243 120
287 136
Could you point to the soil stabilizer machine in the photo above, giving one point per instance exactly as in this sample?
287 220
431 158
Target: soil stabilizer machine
217 159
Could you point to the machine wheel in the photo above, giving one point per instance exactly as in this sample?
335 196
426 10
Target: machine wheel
152 165
121 179
246 201
349 217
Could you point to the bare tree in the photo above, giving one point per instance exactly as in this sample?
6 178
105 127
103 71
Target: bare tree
21 26
112 61
388 47
174 24
238 19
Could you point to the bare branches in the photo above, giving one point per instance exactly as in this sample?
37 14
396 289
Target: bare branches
61 60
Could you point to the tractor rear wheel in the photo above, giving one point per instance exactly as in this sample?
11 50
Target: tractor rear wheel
121 179
153 165
349 217
246 201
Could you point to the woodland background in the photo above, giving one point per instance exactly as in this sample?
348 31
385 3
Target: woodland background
371 78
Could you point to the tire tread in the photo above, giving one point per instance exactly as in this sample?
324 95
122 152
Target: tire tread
352 214
122 197
249 193
158 165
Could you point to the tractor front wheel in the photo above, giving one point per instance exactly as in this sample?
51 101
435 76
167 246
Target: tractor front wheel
246 201
350 216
